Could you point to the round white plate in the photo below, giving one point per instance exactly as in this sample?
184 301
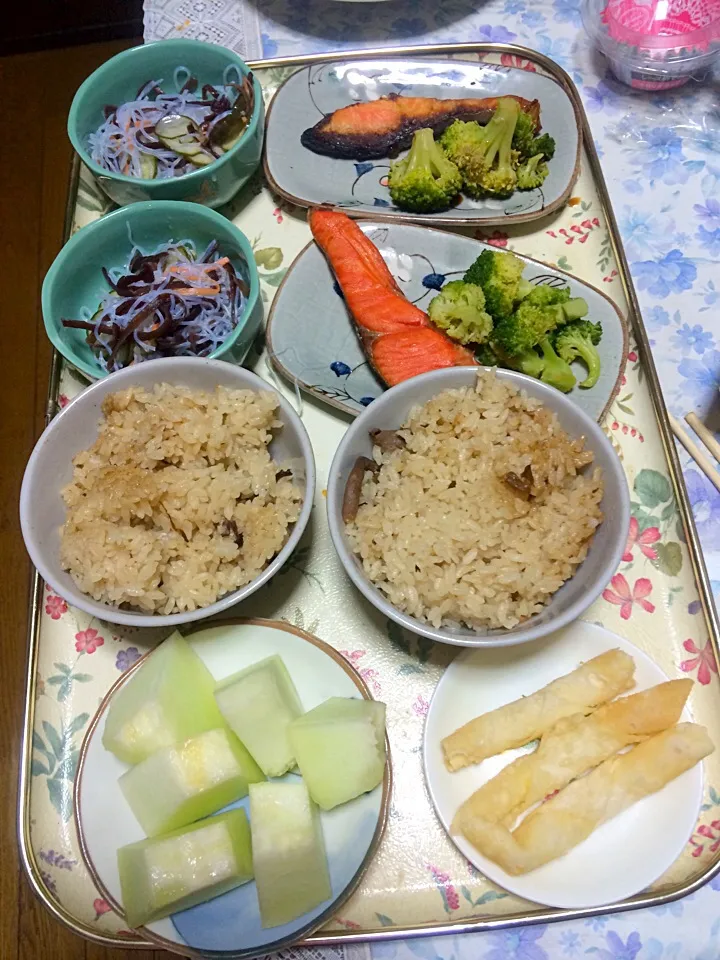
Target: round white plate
623 856
229 925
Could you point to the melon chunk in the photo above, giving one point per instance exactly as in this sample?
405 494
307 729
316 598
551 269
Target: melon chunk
189 780
288 848
258 703
168 699
163 875
340 749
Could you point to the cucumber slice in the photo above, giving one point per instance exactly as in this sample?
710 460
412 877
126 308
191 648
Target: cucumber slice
163 875
148 166
258 703
186 146
288 847
229 144
169 699
172 126
340 749
188 781
201 159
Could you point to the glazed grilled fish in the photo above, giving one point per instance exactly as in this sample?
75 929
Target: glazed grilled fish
377 128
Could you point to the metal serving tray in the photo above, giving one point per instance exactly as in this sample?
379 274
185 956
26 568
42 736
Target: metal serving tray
418 883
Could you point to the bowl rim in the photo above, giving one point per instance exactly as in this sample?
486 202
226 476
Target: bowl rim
194 176
85 235
444 378
111 614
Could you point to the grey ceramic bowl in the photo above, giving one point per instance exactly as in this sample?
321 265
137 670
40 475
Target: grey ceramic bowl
49 469
576 595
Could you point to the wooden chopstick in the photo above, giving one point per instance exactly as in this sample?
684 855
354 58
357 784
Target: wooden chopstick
695 452
705 435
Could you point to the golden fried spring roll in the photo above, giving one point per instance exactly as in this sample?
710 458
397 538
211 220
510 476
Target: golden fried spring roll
593 683
569 817
570 748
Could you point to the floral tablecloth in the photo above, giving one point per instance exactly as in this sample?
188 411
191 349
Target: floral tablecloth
661 156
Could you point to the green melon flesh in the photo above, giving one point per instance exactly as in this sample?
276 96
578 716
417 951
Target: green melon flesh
189 781
288 849
169 698
163 875
258 703
340 749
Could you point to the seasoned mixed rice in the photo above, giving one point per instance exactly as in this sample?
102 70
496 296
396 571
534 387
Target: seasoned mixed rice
178 502
483 512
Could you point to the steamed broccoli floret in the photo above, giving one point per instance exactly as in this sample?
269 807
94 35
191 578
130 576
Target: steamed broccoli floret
565 307
537 315
555 371
578 340
543 295
532 173
459 137
543 144
495 266
546 366
425 180
520 331
486 356
499 273
529 362
459 310
484 154
524 134
527 144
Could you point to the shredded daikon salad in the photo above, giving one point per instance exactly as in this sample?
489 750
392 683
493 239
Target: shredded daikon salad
168 303
162 135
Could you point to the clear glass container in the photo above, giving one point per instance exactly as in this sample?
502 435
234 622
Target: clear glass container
655 44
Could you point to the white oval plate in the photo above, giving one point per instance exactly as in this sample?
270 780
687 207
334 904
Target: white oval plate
308 179
622 857
311 340
229 925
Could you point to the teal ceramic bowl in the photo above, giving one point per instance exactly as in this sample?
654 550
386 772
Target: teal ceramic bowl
118 80
75 279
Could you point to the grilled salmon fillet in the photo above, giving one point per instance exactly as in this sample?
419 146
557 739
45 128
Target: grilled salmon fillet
377 128
398 338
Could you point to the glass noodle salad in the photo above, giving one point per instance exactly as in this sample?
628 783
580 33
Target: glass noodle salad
168 303
162 135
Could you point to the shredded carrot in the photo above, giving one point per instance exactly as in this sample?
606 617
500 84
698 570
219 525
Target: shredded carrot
186 267
198 291
197 273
